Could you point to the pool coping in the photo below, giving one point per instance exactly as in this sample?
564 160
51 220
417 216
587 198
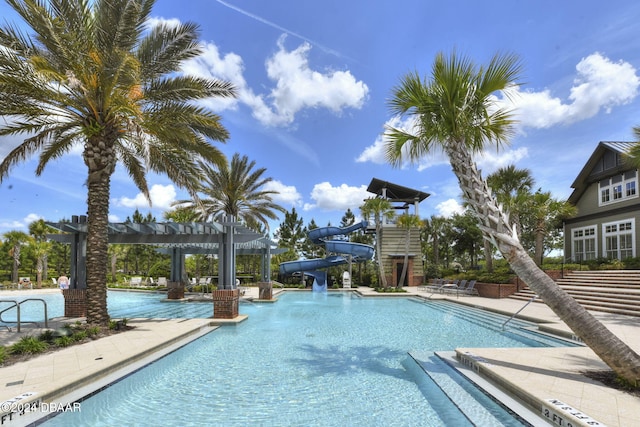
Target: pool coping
46 395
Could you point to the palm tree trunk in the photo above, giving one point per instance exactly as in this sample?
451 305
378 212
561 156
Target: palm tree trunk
383 277
97 246
16 263
495 226
488 256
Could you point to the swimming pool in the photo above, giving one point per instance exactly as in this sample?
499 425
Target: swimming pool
310 359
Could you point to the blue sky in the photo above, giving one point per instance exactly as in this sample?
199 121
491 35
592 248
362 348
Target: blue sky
314 78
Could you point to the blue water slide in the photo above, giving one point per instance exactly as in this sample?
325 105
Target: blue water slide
343 250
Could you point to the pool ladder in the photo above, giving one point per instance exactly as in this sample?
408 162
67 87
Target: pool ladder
517 312
17 304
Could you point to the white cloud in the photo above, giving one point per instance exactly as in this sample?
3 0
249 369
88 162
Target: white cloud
490 160
286 194
22 224
343 197
154 21
600 84
449 207
298 87
161 197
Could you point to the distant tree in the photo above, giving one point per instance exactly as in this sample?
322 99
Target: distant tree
235 189
435 230
347 219
512 188
16 239
378 209
181 214
466 237
290 234
39 230
309 249
543 214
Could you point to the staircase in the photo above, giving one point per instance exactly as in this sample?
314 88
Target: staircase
610 291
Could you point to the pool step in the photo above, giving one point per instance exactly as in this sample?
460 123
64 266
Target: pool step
519 329
472 403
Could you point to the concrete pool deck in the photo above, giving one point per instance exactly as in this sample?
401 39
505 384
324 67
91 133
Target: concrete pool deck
533 375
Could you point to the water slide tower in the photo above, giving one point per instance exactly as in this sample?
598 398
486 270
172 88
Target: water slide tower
394 238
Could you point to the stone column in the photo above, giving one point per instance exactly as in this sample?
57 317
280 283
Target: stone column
175 290
225 303
265 290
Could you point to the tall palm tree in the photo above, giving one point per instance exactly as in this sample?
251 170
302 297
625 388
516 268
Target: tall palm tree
545 212
511 188
455 111
234 189
16 239
379 209
39 229
407 222
93 73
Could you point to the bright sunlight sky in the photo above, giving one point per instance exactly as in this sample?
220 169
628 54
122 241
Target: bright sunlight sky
314 77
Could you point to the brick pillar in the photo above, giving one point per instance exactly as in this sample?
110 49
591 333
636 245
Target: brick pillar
75 302
175 290
225 303
265 291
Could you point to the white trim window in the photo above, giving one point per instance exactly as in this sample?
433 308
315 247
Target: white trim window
618 188
618 239
584 243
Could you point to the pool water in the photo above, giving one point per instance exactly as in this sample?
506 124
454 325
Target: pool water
309 359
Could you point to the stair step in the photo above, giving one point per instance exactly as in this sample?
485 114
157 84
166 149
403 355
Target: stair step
446 379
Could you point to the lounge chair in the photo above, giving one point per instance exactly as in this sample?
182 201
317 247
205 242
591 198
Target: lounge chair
470 289
455 287
162 282
135 281
435 286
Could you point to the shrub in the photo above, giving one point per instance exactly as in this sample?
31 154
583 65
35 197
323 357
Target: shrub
3 354
63 341
79 335
93 331
47 336
29 345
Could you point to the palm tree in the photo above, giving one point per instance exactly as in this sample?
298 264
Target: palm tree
39 229
92 73
379 209
15 239
511 188
407 222
454 110
234 190
545 212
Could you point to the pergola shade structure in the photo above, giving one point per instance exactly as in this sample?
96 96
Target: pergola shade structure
225 239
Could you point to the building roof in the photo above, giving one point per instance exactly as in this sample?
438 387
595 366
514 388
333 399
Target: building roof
395 192
585 177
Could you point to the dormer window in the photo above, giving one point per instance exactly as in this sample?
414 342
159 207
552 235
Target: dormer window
618 188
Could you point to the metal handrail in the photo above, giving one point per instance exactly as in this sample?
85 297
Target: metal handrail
17 305
517 312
